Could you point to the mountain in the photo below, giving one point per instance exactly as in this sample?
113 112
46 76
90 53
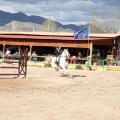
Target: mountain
30 23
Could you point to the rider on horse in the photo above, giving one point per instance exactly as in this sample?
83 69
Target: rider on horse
57 53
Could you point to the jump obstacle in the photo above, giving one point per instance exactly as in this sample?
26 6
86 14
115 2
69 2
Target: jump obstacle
21 63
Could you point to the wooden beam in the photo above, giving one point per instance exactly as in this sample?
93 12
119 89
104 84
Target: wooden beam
30 53
3 49
91 49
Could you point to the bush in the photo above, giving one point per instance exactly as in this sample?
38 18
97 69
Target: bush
48 65
78 67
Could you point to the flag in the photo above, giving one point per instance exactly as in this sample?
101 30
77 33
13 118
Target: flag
82 34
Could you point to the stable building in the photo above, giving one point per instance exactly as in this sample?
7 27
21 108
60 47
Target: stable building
45 42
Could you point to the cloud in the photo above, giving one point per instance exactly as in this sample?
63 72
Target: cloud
64 11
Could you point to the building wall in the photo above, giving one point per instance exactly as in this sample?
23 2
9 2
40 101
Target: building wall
37 42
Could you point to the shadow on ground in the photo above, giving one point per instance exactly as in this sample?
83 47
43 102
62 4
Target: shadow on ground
73 75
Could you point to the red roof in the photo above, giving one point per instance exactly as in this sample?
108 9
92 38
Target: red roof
51 37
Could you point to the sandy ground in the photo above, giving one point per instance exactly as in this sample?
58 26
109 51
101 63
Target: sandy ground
91 95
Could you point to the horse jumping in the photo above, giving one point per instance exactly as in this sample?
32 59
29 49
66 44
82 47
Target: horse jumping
61 63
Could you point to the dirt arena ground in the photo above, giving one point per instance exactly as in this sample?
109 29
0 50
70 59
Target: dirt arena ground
91 95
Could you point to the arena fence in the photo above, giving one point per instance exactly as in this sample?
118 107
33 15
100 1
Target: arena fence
84 63
80 63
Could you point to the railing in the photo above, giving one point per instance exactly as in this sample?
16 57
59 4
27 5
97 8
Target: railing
84 62
88 63
106 64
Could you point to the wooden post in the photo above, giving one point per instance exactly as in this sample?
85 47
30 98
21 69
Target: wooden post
91 49
19 48
3 49
113 49
30 53
22 70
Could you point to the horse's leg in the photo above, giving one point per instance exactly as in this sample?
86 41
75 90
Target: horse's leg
57 69
67 72
66 65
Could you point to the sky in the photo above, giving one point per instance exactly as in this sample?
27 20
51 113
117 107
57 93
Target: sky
64 11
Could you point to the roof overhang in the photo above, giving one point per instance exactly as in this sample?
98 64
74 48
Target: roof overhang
56 34
51 37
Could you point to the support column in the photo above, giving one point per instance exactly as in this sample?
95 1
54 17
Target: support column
114 47
19 49
91 49
112 52
30 53
3 49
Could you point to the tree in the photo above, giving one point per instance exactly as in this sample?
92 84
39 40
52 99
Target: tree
49 26
107 22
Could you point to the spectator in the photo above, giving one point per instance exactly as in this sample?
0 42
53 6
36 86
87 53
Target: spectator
98 55
16 52
7 51
34 54
79 56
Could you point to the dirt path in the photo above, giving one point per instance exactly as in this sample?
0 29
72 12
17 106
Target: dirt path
90 95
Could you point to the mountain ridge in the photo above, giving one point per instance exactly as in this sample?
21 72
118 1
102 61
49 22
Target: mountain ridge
6 18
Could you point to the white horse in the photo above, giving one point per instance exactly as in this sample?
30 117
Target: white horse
63 64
